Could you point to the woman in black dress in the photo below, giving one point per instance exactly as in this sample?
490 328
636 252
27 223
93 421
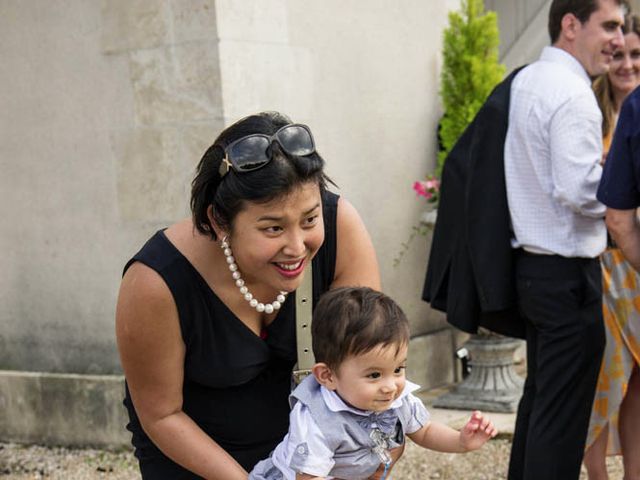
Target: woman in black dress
205 320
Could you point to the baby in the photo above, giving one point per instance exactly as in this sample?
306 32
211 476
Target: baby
358 405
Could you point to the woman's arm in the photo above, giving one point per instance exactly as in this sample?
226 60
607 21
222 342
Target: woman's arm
356 263
152 355
624 227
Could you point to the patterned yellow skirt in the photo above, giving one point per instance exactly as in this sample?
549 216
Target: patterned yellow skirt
621 309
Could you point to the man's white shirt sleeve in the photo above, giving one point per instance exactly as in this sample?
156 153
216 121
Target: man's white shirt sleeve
576 144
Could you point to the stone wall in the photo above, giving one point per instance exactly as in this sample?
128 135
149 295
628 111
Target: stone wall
108 106
62 409
364 75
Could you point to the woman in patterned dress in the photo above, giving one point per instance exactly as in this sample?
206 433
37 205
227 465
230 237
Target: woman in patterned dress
614 428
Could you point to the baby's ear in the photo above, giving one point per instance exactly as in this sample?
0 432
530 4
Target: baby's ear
324 375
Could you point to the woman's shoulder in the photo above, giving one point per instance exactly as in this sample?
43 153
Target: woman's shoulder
356 262
176 244
143 285
345 214
182 231
145 274
145 312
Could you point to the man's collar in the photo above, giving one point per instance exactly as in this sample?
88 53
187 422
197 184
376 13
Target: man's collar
561 56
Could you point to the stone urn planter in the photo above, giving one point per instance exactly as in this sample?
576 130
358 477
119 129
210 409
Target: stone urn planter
493 384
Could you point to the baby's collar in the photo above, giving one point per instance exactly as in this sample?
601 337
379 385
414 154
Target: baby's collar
336 404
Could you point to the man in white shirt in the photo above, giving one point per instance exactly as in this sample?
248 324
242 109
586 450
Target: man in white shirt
551 156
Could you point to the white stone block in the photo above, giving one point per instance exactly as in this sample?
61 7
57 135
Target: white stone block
264 21
134 24
153 174
263 76
176 84
193 20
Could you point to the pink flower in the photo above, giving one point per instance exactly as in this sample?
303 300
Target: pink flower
432 184
420 188
429 188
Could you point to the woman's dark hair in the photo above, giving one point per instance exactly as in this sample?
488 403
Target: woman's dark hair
354 320
227 194
581 9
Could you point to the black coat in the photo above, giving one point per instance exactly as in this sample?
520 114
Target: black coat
470 274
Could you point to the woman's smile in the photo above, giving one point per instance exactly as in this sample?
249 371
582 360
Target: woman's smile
290 269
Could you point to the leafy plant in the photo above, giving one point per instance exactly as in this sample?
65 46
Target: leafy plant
470 70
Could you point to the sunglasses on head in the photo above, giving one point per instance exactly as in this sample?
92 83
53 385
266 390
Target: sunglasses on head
252 152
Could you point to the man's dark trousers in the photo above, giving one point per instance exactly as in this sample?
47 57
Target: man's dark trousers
561 301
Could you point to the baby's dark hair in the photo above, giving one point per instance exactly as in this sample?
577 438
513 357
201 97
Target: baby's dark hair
354 320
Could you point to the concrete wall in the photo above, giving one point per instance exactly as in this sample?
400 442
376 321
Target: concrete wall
108 106
364 75
533 37
514 16
62 409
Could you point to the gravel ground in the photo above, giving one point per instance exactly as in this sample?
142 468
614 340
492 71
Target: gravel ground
488 463
35 462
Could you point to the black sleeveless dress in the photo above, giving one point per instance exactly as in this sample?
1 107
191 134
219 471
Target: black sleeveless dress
236 384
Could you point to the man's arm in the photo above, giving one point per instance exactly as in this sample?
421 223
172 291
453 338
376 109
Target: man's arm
575 145
624 227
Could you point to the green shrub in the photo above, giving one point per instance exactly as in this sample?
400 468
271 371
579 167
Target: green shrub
470 71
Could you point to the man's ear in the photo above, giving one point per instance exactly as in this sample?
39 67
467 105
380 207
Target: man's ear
220 232
324 375
569 25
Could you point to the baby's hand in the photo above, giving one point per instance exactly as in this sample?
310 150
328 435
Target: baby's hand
476 432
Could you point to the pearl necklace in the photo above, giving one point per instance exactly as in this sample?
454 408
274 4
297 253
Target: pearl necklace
235 273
